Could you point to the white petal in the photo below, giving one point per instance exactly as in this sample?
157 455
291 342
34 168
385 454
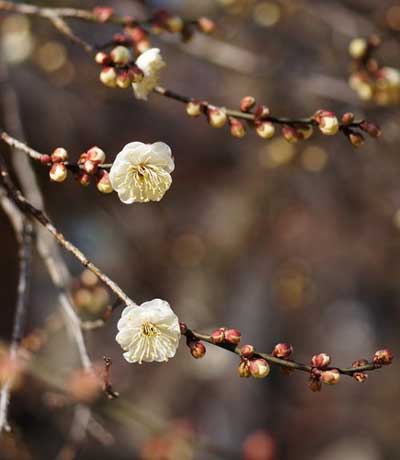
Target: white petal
161 155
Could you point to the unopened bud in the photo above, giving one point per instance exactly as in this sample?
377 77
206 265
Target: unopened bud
84 179
124 79
59 155
305 132
282 350
237 128
216 117
259 368
58 172
327 122
120 55
360 363
96 154
218 335
244 369
108 76
143 45
247 103
383 357
104 184
197 349
358 48
89 166
348 118
320 360
193 108
356 139
102 58
247 351
45 159
314 384
262 112
360 377
232 336
290 134
265 129
330 377
371 128
206 25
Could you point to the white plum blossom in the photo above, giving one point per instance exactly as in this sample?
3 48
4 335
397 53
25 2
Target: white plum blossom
149 332
150 63
142 172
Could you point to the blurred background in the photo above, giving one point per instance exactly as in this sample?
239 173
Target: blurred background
297 243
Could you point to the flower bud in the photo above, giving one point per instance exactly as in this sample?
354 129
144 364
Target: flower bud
371 128
184 328
282 350
197 349
96 154
259 368
45 159
124 80
244 369
102 58
104 184
232 336
143 45
247 351
89 166
174 24
108 76
103 13
237 128
305 132
348 118
216 117
359 363
383 357
327 122
262 112
265 129
314 384
193 108
58 172
320 360
360 377
358 48
120 55
247 103
290 134
136 75
356 139
218 335
330 377
83 179
206 25
59 155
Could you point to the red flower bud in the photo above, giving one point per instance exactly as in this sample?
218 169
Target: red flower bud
314 384
383 357
237 128
320 360
232 336
348 118
360 377
262 112
247 103
330 377
371 128
218 335
282 350
184 328
197 349
247 351
290 134
45 159
259 368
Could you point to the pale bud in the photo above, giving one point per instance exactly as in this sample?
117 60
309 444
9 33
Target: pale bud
237 128
282 350
83 179
265 129
247 103
104 184
259 368
305 132
356 139
124 79
58 172
216 117
330 377
120 55
262 112
108 76
358 48
327 122
233 336
244 369
174 24
193 108
89 166
102 58
143 45
59 155
96 154
290 134
320 360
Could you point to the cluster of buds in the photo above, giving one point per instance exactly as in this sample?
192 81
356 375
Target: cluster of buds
89 166
368 79
251 365
229 336
57 161
119 69
320 373
355 137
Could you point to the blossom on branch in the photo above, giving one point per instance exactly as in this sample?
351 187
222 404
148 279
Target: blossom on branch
149 332
142 172
150 63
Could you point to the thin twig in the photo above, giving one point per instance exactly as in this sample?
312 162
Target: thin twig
25 242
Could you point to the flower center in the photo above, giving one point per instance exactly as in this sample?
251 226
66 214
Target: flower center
149 329
150 181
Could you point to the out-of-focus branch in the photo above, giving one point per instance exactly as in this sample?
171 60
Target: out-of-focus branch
24 237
